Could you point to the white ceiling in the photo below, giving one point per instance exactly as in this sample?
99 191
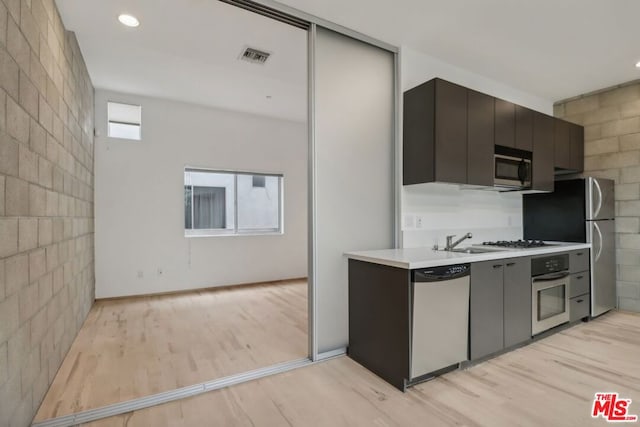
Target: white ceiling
553 49
188 50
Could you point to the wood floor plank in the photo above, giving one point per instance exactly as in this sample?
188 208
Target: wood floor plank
133 347
551 382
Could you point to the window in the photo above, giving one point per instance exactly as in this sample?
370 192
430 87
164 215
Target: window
125 121
224 203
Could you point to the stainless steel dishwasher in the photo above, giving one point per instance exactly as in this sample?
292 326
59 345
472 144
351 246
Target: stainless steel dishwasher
440 319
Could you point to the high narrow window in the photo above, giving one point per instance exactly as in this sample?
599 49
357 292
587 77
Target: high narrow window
125 121
218 202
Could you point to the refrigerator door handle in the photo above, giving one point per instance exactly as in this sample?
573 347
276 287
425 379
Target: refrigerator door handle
599 252
596 212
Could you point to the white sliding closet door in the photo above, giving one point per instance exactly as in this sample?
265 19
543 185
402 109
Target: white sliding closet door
354 169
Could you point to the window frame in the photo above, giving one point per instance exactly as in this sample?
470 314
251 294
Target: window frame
109 121
235 231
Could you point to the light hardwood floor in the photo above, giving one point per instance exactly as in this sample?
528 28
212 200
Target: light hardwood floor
549 383
134 347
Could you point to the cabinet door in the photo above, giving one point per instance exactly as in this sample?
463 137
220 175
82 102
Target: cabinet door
579 261
505 123
485 309
577 147
418 134
451 132
580 284
480 145
562 144
579 307
543 153
524 128
517 301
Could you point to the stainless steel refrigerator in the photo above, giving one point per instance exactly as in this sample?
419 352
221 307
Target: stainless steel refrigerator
580 210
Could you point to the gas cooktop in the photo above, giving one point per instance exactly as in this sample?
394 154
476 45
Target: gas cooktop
517 244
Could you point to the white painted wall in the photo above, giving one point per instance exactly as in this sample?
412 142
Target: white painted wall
432 211
139 198
418 68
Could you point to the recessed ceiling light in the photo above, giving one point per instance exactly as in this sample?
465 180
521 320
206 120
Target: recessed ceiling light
128 20
638 64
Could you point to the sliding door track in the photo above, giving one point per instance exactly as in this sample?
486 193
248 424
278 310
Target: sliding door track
169 396
182 393
269 12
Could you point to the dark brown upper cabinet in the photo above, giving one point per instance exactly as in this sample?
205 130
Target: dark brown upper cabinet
577 147
450 134
480 138
505 123
568 147
543 152
435 133
524 128
562 144
513 125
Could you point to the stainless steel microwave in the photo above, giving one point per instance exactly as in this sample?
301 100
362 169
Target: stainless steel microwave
512 168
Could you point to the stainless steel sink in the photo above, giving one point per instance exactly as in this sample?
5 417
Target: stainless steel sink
474 250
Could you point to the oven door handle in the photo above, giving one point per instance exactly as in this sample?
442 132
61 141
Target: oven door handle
550 276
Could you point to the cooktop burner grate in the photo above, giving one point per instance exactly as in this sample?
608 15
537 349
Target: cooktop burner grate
517 243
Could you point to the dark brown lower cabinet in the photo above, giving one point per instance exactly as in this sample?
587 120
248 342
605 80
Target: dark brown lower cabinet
517 301
379 320
500 305
580 285
486 305
382 301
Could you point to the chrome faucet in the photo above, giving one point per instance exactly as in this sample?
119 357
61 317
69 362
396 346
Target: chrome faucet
450 245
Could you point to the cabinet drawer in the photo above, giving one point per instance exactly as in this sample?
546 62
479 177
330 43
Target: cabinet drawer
579 260
579 307
579 284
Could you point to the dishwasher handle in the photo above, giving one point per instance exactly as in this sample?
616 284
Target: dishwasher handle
438 274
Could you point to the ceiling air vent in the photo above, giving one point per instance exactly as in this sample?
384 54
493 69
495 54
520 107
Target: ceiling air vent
255 56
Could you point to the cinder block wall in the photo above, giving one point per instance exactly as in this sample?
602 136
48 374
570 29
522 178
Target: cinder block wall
46 201
612 150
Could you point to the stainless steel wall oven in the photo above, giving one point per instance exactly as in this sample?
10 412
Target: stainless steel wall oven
550 292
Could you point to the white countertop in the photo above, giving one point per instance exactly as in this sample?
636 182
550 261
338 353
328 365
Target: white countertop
411 258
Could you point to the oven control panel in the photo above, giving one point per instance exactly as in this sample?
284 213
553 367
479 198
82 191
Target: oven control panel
549 264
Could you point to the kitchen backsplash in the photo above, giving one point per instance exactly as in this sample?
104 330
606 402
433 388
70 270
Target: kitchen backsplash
433 211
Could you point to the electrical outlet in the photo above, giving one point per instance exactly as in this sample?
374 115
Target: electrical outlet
140 274
160 271
418 221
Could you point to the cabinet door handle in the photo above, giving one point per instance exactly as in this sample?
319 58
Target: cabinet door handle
511 264
497 265
579 254
579 300
579 277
